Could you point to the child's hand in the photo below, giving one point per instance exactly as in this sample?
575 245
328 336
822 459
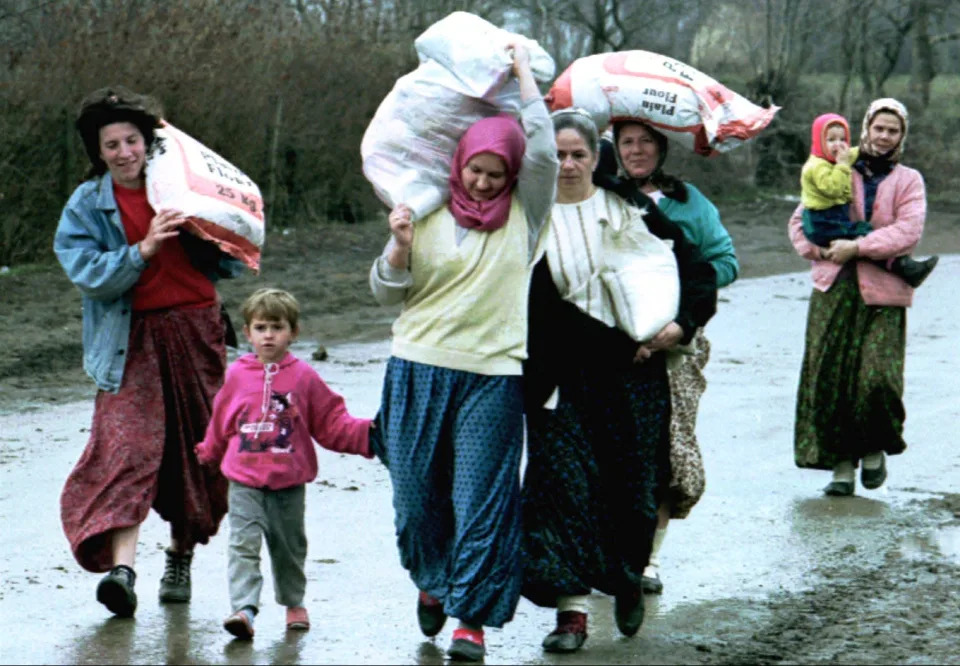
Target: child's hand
843 154
199 453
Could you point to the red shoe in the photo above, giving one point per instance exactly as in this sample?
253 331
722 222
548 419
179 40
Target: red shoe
239 625
297 618
570 634
467 645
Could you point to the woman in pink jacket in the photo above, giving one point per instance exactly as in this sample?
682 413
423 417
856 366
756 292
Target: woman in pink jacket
849 403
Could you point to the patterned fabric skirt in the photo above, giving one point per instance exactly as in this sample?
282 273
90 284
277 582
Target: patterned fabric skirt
687 384
851 384
590 488
454 440
140 452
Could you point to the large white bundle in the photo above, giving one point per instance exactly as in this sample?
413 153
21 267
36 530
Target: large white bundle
685 104
640 277
464 75
221 203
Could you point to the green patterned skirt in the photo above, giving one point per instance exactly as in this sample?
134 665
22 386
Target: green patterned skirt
850 400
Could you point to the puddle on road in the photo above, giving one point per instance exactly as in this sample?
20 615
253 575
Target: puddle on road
944 541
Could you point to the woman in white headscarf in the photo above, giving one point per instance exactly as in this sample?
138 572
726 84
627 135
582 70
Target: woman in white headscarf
850 400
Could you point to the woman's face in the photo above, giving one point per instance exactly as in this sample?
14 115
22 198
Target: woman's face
484 176
885 132
123 149
639 152
577 163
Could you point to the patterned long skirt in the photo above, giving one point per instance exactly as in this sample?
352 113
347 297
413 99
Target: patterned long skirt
140 452
687 384
851 384
590 488
453 440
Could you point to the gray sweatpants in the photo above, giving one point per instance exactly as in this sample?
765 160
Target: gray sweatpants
278 516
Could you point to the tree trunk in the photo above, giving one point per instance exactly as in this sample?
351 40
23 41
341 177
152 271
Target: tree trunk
924 68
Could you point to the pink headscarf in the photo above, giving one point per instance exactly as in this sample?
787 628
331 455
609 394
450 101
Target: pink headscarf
819 133
502 136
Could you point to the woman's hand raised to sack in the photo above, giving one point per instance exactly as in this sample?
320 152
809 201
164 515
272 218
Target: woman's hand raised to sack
521 70
401 226
165 224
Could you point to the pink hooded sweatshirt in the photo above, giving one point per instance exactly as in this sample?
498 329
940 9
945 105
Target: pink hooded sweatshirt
266 417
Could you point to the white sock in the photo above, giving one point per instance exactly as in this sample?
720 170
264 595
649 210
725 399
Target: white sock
577 603
653 567
873 460
843 472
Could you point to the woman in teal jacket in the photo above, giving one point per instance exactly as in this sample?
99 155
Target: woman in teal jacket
632 164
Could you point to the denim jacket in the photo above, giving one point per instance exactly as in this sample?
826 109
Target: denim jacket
92 247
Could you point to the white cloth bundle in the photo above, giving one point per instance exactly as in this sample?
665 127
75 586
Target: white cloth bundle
464 75
221 203
682 102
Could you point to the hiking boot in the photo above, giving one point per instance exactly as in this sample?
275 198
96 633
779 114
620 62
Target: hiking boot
297 618
175 583
467 645
912 271
628 611
240 623
570 633
430 615
115 591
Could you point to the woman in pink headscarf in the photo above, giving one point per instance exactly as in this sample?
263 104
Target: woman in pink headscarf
452 406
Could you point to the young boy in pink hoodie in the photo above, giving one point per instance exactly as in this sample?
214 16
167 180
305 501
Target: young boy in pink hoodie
271 408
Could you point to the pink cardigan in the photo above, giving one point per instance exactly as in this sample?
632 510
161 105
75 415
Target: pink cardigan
899 211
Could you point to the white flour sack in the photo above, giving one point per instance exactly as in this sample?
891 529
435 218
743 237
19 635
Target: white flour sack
685 104
639 274
220 202
464 75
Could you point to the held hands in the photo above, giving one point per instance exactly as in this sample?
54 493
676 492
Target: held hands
840 251
668 338
165 224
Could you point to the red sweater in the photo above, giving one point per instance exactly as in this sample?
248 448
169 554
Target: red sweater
169 280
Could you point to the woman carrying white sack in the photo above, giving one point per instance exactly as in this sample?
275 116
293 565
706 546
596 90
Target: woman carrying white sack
452 403
595 462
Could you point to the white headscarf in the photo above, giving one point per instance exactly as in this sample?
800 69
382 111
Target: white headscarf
884 105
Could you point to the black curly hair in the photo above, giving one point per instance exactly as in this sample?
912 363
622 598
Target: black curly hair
115 104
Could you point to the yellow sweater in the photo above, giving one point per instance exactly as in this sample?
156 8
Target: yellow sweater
467 307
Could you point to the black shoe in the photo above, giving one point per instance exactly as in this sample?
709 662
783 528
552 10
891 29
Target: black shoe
115 591
912 271
430 615
175 583
874 478
570 633
465 647
628 611
652 584
839 489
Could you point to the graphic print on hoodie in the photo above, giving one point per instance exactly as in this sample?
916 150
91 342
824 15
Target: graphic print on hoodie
274 431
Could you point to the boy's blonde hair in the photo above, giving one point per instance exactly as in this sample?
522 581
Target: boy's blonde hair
269 303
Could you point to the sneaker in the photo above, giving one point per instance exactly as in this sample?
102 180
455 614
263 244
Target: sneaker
175 583
874 478
115 591
628 611
297 618
430 614
467 645
240 624
570 634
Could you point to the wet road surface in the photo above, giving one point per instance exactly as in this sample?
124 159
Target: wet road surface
762 528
